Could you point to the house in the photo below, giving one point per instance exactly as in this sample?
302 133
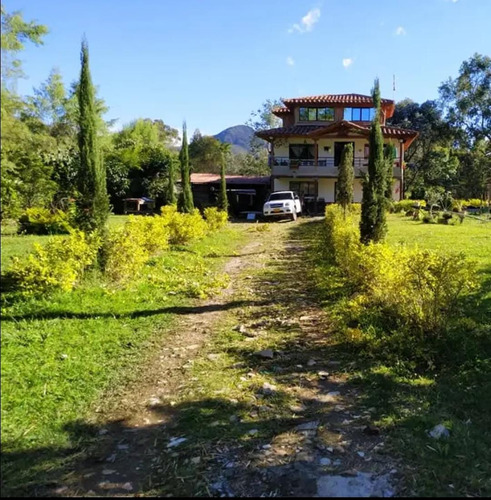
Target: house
306 151
245 193
138 205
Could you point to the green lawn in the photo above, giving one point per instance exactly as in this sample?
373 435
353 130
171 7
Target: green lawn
60 353
472 237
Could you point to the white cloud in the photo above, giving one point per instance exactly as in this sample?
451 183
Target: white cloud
400 31
290 61
347 62
307 22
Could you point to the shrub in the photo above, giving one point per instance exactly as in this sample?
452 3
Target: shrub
183 227
417 288
215 219
128 248
407 205
59 264
44 221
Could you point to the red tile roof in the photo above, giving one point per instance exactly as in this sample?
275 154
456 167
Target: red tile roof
280 110
336 99
319 130
205 178
287 131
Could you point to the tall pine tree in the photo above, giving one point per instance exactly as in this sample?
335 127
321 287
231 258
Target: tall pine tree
93 202
171 181
222 196
186 204
373 226
346 178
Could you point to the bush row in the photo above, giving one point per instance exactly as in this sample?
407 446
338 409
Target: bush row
61 263
413 288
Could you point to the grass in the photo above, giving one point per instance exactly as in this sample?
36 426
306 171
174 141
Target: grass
472 237
17 245
409 404
60 353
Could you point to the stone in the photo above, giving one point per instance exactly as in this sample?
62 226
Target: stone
358 484
123 446
325 461
196 460
253 432
102 432
268 389
64 356
360 454
311 362
333 394
107 472
127 486
154 401
213 357
175 442
240 329
439 431
323 374
297 408
266 353
308 426
266 446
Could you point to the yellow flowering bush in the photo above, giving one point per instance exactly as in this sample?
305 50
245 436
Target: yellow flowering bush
59 264
215 218
183 228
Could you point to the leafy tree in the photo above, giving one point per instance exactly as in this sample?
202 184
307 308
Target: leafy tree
205 153
346 178
467 100
186 204
474 170
93 203
434 133
222 196
15 33
373 226
262 119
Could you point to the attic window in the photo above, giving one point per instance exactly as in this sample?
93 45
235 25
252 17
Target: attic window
316 114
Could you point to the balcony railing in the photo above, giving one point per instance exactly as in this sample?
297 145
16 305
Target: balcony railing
322 161
325 166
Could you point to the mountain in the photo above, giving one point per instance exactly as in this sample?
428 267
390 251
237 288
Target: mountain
239 136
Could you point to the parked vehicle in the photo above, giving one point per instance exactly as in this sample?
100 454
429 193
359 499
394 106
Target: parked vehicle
282 204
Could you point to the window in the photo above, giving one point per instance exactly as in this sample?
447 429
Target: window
280 196
359 114
366 152
316 114
304 188
302 151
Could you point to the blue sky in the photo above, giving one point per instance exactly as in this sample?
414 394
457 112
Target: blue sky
212 62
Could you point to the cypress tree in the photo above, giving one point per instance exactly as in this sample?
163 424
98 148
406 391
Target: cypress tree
222 196
171 181
187 204
373 226
346 178
93 201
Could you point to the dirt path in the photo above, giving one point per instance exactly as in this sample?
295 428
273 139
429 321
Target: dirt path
249 397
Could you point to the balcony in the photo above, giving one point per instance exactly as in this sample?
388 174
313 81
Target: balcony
325 167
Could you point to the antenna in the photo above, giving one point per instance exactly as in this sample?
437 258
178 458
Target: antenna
393 87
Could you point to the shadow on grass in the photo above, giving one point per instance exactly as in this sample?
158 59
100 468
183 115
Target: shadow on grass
179 310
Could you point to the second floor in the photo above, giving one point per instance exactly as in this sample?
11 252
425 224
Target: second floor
328 108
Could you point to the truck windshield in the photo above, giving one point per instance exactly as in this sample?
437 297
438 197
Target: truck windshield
280 196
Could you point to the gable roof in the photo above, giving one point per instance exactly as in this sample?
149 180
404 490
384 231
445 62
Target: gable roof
318 131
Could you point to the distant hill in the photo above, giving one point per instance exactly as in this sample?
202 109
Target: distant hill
239 136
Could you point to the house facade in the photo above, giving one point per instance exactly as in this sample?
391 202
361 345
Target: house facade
305 152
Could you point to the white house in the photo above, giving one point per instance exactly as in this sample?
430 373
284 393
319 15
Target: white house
305 152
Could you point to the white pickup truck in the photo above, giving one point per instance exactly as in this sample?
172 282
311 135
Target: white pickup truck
281 204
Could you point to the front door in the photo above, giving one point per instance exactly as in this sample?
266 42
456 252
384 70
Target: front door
338 151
